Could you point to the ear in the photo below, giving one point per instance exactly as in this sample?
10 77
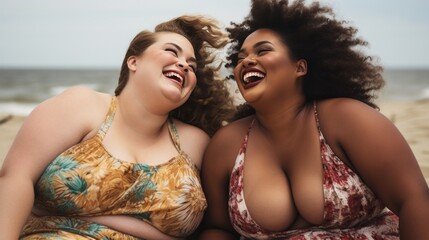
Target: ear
132 63
301 67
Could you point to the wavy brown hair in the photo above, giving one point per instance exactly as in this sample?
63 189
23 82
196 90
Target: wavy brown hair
210 105
336 65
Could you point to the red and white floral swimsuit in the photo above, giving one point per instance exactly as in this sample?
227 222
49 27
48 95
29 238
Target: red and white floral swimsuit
352 211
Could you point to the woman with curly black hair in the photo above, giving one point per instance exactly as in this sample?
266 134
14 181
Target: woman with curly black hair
316 159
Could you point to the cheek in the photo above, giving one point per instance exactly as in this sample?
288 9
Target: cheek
192 81
237 74
281 68
275 62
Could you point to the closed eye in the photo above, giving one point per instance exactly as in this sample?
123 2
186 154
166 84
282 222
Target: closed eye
172 50
176 50
263 51
240 58
194 68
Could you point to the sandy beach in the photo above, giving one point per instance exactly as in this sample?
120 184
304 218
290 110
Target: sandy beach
411 118
9 126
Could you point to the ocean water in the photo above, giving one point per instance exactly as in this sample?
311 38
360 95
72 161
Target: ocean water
22 89
406 84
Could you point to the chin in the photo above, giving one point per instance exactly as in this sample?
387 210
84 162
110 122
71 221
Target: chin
250 97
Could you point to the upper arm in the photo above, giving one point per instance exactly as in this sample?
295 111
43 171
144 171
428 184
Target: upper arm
53 126
218 162
379 153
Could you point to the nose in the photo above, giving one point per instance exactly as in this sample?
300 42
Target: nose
183 66
249 61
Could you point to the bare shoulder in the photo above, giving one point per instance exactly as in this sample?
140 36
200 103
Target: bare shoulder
233 131
81 97
196 142
225 144
79 102
350 124
81 109
193 141
185 128
344 105
341 111
53 126
190 134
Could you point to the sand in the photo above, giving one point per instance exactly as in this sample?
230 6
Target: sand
9 126
410 117
412 120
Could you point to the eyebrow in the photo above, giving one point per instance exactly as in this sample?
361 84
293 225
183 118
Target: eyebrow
192 59
258 44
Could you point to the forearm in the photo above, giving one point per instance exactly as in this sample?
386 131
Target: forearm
413 220
130 225
16 200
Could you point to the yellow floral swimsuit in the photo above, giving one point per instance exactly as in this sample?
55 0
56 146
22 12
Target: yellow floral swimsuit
86 180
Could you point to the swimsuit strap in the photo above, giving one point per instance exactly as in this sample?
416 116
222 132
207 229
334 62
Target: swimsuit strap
246 138
111 114
316 115
174 134
109 118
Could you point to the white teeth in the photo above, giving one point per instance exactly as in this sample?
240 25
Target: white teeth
252 74
173 74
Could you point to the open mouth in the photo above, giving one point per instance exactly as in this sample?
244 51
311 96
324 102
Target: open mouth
252 78
175 77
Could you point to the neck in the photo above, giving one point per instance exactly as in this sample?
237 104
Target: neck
138 119
280 118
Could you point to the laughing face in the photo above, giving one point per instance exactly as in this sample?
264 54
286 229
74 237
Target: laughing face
265 71
166 68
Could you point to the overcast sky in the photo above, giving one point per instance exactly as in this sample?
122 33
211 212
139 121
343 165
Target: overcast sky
96 33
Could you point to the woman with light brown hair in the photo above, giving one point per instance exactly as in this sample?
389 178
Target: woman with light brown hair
88 165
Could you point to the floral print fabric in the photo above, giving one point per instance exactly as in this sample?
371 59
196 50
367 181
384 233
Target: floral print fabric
86 180
352 211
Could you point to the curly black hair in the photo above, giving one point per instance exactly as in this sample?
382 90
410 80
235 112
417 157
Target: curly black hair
336 64
210 104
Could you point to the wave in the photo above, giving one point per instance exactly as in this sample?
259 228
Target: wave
15 108
425 93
